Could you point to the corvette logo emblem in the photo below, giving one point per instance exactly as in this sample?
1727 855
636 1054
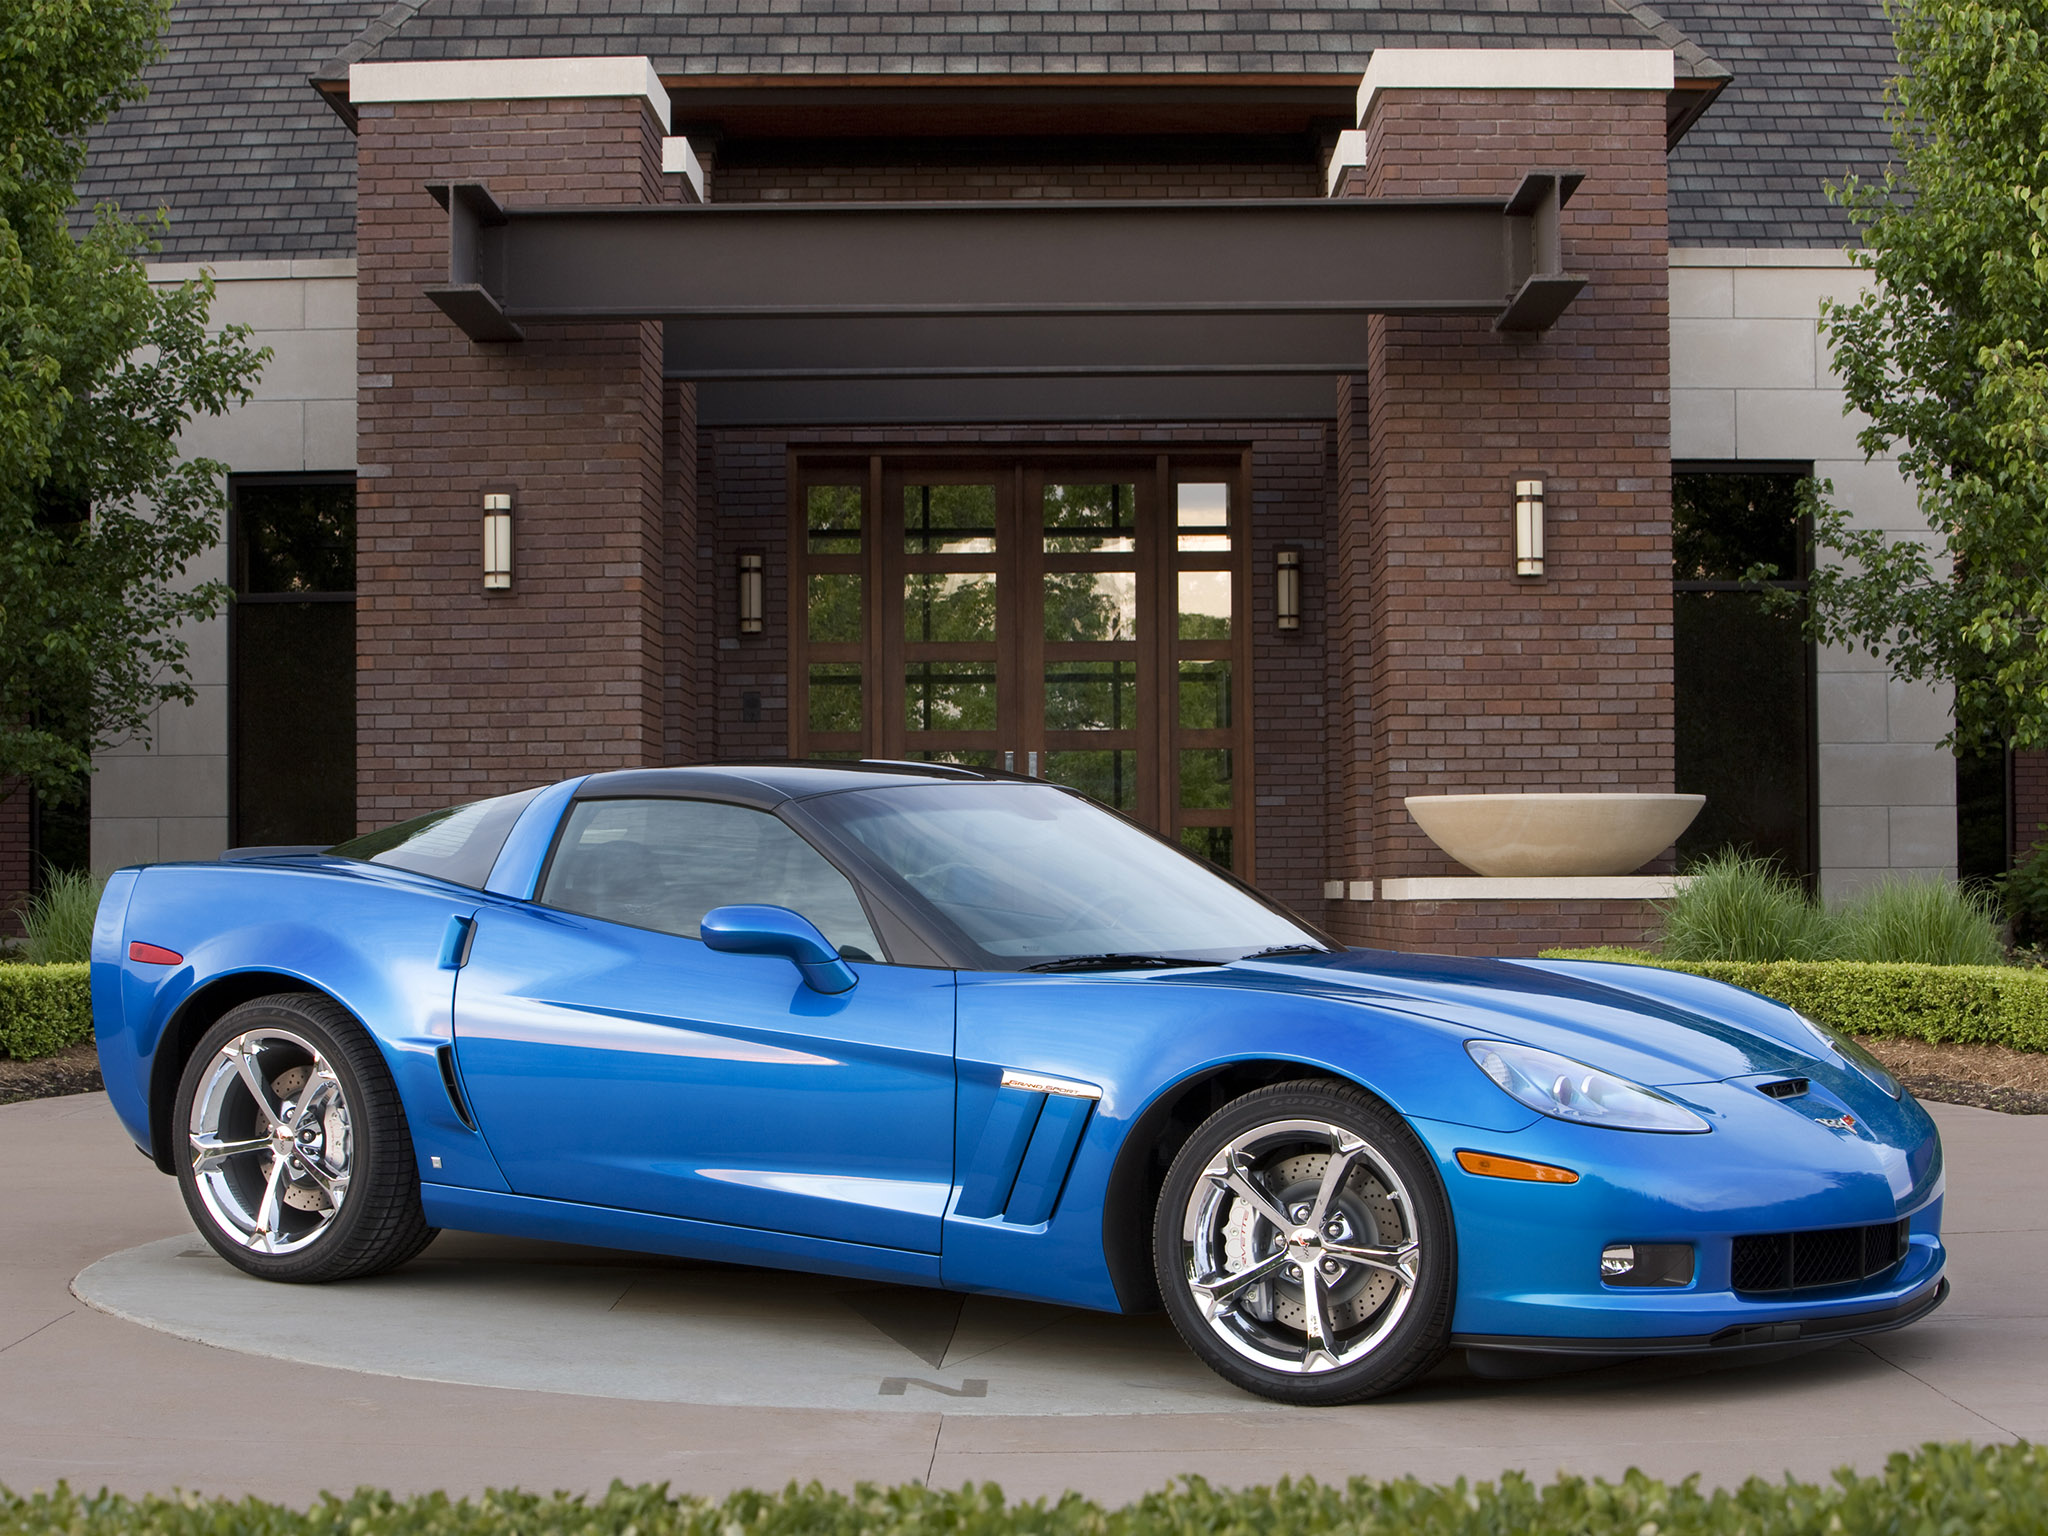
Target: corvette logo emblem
1841 1123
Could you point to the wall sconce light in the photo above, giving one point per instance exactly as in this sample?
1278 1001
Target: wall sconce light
753 591
1287 589
1528 527
497 542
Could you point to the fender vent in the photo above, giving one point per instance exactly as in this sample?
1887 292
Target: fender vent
1783 1088
446 1055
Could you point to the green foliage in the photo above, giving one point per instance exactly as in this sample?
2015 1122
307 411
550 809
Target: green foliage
1925 922
1966 1004
1947 355
1993 1490
2024 893
1740 908
99 373
1735 907
43 1008
58 922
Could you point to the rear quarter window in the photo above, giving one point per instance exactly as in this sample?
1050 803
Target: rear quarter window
459 844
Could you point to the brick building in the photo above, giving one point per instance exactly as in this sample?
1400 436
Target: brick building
1133 395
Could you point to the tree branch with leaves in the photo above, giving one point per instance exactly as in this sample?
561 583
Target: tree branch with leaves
100 372
1946 354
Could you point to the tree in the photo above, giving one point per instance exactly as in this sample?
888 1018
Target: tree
1947 355
99 373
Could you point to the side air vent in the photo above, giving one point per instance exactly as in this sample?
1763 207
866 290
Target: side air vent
448 1081
1795 1261
1783 1088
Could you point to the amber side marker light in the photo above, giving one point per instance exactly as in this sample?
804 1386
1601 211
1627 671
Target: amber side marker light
154 954
1514 1168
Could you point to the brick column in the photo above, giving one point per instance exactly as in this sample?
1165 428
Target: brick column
1479 680
463 692
17 854
2029 802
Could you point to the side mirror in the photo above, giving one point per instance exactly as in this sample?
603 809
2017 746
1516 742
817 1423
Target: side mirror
748 930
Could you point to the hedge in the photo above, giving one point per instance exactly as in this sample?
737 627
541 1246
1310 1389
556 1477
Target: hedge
1971 1004
1993 1490
43 1008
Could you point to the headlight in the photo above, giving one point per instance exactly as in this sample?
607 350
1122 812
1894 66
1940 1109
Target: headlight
1570 1090
1855 1055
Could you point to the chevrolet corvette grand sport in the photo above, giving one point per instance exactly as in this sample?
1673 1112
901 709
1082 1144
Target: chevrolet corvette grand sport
947 1028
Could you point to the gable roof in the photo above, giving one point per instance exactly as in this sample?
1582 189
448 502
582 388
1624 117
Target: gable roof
1806 108
854 38
231 140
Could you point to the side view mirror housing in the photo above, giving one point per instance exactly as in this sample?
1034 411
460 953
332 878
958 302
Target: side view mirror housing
751 930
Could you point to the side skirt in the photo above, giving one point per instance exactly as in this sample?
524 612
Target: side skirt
598 1226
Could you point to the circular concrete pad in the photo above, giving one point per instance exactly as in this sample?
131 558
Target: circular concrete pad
501 1312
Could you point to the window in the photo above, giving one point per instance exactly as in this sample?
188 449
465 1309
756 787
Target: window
663 864
1743 675
460 844
292 685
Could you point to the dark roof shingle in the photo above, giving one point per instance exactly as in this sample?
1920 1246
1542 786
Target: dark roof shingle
1006 37
232 141
1806 108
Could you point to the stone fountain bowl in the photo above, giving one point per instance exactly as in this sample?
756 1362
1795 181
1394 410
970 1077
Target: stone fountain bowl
1539 835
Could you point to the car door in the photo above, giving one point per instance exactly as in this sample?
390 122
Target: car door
612 1058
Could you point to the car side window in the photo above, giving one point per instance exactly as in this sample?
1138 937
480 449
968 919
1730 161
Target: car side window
663 864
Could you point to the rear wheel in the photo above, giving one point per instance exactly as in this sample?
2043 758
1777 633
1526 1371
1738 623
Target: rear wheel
1303 1246
295 1160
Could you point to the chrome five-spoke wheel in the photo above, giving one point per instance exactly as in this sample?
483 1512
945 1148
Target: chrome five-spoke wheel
1298 1246
291 1145
271 1141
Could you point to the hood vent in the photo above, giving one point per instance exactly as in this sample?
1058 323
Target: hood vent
1783 1088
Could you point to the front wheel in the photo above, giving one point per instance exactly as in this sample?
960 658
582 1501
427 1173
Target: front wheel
295 1159
1303 1246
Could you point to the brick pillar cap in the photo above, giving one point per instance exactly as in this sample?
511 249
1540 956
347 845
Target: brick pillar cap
1515 69
509 80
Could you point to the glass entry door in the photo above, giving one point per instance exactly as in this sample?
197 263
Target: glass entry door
1072 621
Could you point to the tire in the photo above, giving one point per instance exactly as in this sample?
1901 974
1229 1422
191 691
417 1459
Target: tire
293 1152
1351 1179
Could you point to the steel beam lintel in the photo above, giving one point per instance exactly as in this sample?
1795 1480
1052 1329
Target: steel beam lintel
1008 288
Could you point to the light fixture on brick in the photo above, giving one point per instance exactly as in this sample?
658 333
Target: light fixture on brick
1528 527
753 590
497 542
1287 589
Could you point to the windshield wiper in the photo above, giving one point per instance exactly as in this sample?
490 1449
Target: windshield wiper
1114 962
1285 949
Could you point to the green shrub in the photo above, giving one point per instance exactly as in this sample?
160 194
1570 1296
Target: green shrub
2023 891
1924 922
43 1008
1735 907
1992 1490
1966 1004
58 921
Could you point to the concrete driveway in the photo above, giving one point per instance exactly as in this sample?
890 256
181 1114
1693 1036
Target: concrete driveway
1106 1406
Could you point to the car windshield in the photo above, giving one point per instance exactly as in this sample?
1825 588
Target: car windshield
1029 874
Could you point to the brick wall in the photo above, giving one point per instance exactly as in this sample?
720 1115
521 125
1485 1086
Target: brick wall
461 692
17 854
1508 927
916 182
1483 681
2029 801
1465 678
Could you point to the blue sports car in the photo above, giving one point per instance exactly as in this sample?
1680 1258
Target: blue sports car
948 1028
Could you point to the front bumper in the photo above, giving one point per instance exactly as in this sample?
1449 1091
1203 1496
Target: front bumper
1528 1254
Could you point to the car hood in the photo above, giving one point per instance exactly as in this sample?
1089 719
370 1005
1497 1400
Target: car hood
1660 1028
